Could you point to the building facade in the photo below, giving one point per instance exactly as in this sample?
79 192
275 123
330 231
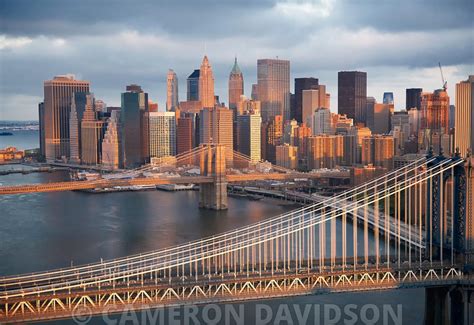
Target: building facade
300 85
111 142
172 98
162 134
57 105
413 98
464 116
206 84
236 86
249 130
134 128
274 88
352 95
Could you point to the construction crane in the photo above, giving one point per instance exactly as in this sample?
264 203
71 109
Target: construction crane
445 83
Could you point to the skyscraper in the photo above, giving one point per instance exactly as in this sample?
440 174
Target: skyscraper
287 156
134 127
322 122
249 126
300 85
464 117
413 98
435 111
57 106
216 126
184 134
273 77
236 86
352 95
78 106
193 86
325 151
92 134
272 134
313 99
172 91
206 84
382 118
388 98
369 115
162 134
378 150
111 142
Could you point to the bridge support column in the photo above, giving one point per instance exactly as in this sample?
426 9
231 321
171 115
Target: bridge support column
447 305
213 163
435 306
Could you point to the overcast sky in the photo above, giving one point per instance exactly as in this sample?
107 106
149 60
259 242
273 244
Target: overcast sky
114 43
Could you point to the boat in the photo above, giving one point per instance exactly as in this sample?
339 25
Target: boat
5 133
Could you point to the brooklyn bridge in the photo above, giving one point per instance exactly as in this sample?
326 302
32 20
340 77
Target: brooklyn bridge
420 219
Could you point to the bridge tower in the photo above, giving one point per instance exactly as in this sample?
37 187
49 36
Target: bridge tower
439 202
213 163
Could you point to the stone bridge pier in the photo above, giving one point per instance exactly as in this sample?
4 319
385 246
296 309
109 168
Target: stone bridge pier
213 163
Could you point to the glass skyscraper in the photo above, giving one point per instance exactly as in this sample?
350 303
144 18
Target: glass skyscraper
134 127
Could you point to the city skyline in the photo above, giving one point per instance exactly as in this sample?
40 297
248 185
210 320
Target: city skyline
395 54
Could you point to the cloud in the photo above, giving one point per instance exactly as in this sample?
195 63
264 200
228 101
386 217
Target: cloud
105 43
305 9
7 43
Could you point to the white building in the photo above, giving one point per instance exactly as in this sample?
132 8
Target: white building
162 134
321 122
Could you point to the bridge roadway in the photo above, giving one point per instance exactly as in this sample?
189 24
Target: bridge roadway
102 183
220 288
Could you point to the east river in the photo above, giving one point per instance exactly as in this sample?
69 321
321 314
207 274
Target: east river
50 230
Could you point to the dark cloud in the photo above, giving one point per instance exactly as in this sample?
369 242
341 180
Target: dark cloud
114 43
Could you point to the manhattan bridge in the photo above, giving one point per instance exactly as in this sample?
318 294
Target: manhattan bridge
417 230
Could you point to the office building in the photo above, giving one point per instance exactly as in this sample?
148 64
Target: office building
325 151
464 117
162 134
274 88
369 117
352 95
78 106
382 118
300 85
249 130
287 156
134 128
193 86
57 105
378 150
322 122
289 132
413 98
303 132
206 84
236 86
414 119
272 135
254 94
92 134
435 111
312 100
111 142
172 98
216 126
388 98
